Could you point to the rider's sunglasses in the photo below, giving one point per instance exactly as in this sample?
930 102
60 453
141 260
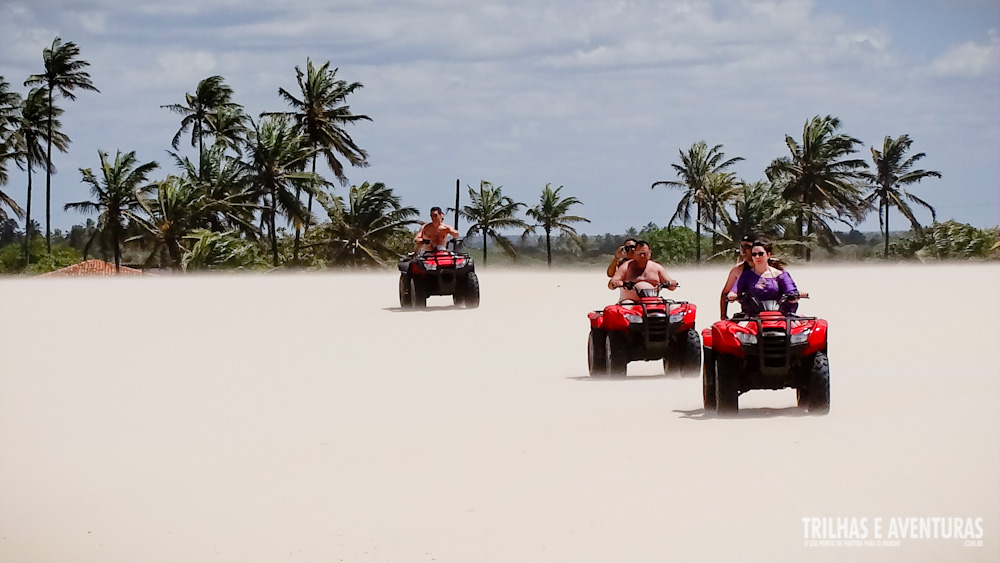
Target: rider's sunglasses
755 254
629 247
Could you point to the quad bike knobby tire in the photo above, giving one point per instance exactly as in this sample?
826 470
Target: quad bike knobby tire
404 291
819 384
597 360
727 385
470 291
418 296
616 352
708 380
692 353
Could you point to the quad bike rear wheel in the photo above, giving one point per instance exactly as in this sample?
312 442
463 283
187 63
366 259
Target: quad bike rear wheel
691 358
597 360
404 291
470 291
616 352
727 385
418 295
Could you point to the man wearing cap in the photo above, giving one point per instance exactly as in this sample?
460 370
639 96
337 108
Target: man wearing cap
746 243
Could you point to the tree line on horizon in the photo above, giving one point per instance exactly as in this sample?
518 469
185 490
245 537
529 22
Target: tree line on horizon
247 200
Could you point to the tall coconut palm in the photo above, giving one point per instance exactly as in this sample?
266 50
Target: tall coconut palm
758 209
362 229
211 96
321 115
550 213
277 155
695 170
720 190
37 121
64 73
490 212
821 176
228 127
175 212
894 171
10 109
229 203
116 192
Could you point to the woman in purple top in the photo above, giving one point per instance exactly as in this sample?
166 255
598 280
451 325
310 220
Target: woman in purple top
763 282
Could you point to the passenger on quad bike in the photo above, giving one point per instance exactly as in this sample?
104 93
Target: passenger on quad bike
624 253
744 264
434 235
763 282
640 269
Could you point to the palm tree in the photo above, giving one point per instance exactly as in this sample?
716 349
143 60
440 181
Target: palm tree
550 213
695 170
10 106
277 156
172 216
63 73
211 96
116 197
759 209
491 211
363 229
821 178
228 127
720 189
228 202
37 122
320 115
892 172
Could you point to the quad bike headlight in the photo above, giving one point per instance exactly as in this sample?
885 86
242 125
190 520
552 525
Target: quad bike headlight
800 337
676 317
430 266
746 338
633 317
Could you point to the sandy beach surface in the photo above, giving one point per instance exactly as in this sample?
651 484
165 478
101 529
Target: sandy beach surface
262 418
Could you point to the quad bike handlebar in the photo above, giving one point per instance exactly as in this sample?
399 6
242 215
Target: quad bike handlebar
657 287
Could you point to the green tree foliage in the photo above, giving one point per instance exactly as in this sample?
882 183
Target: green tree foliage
64 73
695 170
950 240
551 213
821 178
213 250
894 171
201 111
671 245
116 196
489 213
366 228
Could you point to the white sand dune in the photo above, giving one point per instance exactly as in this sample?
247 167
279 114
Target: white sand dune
306 418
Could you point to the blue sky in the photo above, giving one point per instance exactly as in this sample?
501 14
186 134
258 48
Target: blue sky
597 96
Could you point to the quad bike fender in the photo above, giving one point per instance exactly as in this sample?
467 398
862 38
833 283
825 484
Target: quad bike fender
724 340
817 338
687 321
614 318
706 337
596 319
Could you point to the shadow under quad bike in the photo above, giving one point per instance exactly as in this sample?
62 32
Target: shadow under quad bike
438 272
767 350
649 328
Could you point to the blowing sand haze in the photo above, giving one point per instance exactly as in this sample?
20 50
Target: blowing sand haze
307 418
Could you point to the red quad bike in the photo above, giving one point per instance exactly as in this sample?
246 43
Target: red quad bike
769 350
438 272
651 328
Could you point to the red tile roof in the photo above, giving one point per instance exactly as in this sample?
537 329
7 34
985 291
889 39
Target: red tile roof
93 267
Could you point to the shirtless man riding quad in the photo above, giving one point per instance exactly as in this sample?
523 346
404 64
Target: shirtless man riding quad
641 269
433 235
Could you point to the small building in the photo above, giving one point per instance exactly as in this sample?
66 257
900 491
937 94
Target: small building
90 268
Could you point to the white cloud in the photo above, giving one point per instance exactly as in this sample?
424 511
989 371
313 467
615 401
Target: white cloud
970 59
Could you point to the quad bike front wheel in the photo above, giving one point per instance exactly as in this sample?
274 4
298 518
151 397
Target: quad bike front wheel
708 379
616 354
819 384
597 361
727 385
691 355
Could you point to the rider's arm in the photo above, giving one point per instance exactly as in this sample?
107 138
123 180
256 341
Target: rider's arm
616 262
619 277
666 280
726 289
420 234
